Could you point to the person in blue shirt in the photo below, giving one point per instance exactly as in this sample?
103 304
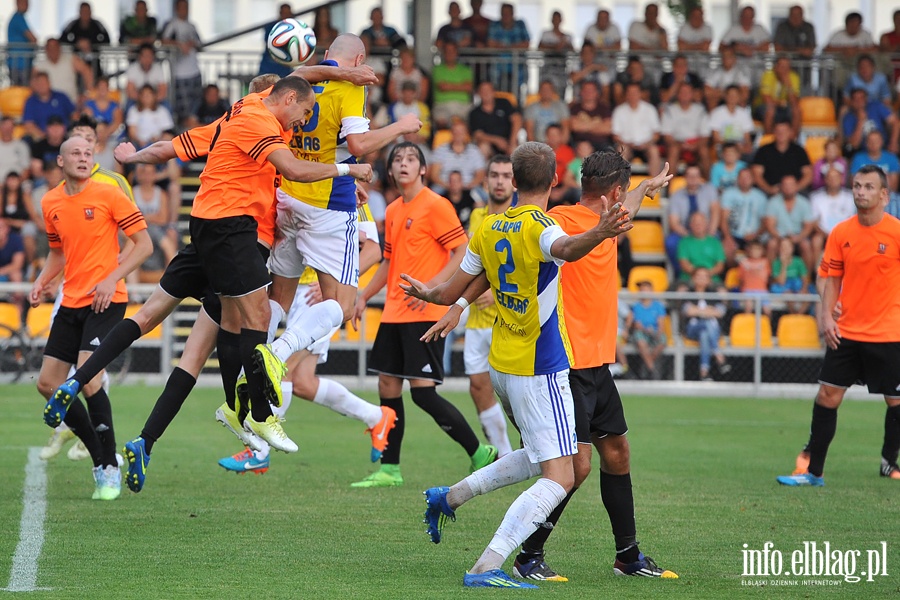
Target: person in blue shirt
42 104
724 173
508 33
868 78
647 326
267 64
22 42
865 115
875 154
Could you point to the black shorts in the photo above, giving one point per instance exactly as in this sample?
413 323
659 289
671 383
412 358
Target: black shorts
598 406
876 364
398 352
77 330
225 248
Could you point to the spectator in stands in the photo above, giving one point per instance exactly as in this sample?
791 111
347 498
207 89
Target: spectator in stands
153 202
696 34
728 74
648 34
104 149
754 270
47 147
591 68
22 44
381 36
455 31
408 72
701 318
494 123
604 34
779 96
146 71
508 33
875 154
790 276
572 179
830 205
148 119
267 64
724 173
866 77
18 211
375 93
700 249
748 37
779 158
324 30
731 123
620 368
852 39
452 83
547 109
561 193
15 156
591 118
635 73
648 316
64 68
478 24
831 161
102 107
685 130
795 35
86 34
890 40
743 212
696 196
679 77
459 155
864 116
410 103
636 127
12 256
555 39
210 108
790 215
461 198
893 205
138 28
42 104
182 35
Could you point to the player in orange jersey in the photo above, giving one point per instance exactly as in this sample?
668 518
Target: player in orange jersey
83 218
862 264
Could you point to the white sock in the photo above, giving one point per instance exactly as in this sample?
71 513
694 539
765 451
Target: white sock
532 507
493 421
287 395
339 399
316 322
264 453
61 428
274 320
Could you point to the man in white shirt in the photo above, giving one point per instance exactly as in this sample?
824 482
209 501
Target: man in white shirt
636 127
555 39
731 122
15 155
648 34
852 39
830 205
182 34
604 34
685 130
727 74
695 34
63 68
146 71
748 36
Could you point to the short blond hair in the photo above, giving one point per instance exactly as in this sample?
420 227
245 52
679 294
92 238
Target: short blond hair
262 82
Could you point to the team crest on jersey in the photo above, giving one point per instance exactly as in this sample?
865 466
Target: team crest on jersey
882 248
89 214
409 223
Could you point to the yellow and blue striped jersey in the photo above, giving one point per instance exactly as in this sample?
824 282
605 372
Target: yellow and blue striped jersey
101 175
340 110
513 249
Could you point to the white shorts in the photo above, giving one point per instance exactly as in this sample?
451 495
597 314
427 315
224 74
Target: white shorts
300 306
476 350
326 240
543 410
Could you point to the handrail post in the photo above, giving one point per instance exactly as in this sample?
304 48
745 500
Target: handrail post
757 354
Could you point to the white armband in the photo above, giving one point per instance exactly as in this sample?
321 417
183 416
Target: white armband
342 169
462 303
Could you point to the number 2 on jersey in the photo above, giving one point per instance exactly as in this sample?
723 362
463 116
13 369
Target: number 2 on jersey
507 267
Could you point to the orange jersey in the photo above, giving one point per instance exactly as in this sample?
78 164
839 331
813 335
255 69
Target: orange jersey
868 259
85 226
590 292
418 238
238 179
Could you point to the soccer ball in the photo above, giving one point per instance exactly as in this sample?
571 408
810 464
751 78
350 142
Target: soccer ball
291 42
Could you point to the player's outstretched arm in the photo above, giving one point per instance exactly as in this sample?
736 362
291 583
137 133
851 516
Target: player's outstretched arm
361 75
154 154
104 290
445 293
53 266
647 189
308 172
450 320
360 144
613 221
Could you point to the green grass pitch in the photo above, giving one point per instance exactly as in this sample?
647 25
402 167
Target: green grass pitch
704 484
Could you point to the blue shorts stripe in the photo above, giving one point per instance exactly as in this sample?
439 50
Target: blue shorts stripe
349 235
558 419
562 407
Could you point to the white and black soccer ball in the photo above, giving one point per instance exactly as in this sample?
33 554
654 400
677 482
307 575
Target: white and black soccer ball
291 42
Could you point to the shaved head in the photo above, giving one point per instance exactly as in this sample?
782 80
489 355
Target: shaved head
73 142
347 49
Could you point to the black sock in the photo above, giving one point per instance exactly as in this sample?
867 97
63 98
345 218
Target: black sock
891 447
447 417
824 424
533 547
228 351
391 454
117 341
259 407
100 411
615 491
80 423
178 386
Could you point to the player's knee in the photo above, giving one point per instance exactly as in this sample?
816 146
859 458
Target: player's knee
93 386
829 396
45 387
581 468
566 479
305 387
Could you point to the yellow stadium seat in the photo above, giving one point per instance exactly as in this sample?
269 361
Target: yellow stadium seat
441 137
38 320
815 146
508 96
11 317
676 184
12 101
733 278
798 331
667 329
155 333
653 202
116 96
817 111
657 276
766 138
743 331
372 317
647 238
